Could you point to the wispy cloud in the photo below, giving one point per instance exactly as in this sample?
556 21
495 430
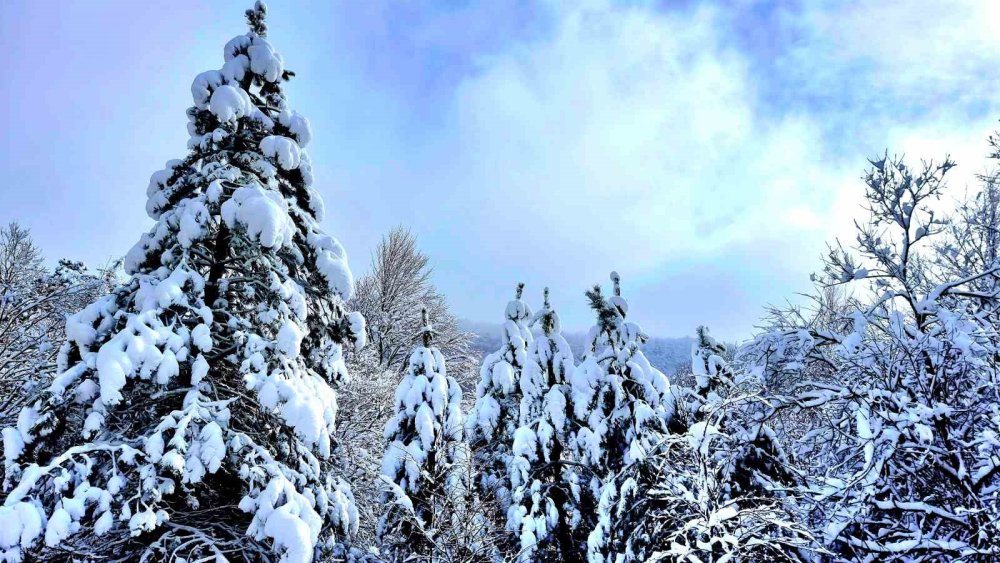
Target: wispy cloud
653 142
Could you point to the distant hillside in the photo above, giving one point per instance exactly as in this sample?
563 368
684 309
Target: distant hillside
672 356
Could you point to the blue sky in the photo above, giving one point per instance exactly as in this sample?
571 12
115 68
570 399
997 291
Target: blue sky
705 150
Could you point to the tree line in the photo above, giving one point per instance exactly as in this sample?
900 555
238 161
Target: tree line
235 394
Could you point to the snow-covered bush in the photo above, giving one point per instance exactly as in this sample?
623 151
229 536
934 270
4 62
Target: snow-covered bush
717 486
34 302
496 414
195 407
364 403
675 505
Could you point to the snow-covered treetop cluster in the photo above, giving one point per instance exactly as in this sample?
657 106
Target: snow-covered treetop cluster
191 410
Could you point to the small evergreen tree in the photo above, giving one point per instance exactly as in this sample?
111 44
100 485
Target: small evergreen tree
620 400
544 512
496 414
195 406
711 371
622 404
423 442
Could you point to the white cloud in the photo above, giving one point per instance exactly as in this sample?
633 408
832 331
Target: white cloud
917 48
638 140
627 139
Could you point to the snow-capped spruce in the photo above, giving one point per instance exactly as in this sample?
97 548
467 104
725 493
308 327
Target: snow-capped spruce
544 513
206 380
496 414
423 441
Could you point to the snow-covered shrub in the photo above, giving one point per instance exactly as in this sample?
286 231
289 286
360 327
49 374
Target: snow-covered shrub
364 403
194 412
717 486
34 302
675 505
909 464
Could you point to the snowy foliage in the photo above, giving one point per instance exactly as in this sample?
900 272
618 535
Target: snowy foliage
34 302
712 488
674 505
905 458
193 412
364 402
496 415
545 513
423 446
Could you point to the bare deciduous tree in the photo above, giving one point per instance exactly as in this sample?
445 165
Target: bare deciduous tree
34 303
390 297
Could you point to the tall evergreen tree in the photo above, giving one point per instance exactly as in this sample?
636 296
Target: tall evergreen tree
194 410
545 512
495 416
422 448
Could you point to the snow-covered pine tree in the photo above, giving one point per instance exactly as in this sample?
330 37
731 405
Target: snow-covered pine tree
620 400
622 405
193 413
544 512
710 369
423 445
496 414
